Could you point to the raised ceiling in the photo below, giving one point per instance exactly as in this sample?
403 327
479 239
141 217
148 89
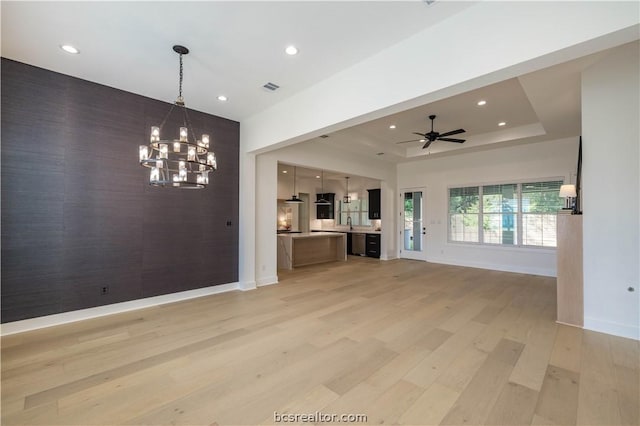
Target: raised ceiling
539 106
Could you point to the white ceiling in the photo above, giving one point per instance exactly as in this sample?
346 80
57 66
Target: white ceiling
236 47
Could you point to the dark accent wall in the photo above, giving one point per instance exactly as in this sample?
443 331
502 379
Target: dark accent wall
77 211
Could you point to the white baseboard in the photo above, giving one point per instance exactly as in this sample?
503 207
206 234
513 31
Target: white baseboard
260 282
247 285
386 257
496 267
115 308
623 330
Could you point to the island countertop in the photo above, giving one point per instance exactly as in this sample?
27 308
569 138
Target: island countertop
308 248
312 234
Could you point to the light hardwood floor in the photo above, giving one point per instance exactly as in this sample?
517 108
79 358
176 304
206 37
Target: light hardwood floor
402 342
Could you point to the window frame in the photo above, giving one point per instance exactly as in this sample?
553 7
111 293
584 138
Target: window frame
363 215
519 214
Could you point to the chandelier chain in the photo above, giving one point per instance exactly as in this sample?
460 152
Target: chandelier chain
181 76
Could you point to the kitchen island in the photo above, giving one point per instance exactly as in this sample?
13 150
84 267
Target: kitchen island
310 248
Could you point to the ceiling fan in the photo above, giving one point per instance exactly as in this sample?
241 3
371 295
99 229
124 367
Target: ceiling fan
435 136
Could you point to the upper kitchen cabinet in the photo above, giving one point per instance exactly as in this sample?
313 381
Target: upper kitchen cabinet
325 211
374 203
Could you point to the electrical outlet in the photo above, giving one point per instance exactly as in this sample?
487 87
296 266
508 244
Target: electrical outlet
104 290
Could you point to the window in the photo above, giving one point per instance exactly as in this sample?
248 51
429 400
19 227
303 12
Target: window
540 204
464 214
499 211
514 214
357 210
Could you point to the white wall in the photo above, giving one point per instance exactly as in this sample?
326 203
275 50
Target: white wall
488 42
550 159
318 157
610 115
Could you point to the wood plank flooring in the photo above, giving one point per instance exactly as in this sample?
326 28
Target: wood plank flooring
401 342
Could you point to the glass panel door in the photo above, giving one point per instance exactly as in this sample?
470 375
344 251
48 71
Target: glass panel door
413 230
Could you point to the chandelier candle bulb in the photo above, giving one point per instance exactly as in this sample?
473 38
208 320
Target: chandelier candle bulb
164 151
155 134
211 160
176 147
154 175
144 152
205 141
183 134
191 154
159 164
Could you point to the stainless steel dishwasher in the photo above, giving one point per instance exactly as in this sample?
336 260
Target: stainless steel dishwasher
358 246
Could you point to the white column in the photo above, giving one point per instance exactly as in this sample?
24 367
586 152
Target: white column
247 222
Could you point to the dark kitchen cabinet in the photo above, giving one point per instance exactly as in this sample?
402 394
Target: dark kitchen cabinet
349 243
325 212
373 245
374 203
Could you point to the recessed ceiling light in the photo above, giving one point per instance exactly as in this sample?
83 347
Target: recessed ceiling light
318 177
291 50
483 102
502 123
423 140
222 98
284 171
393 126
69 49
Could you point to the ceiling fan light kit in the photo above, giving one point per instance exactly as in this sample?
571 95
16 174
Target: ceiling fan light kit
433 136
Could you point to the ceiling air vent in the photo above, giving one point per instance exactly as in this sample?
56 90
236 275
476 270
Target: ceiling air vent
324 136
271 86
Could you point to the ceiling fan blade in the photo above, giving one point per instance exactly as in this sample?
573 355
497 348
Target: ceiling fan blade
453 132
420 134
426 145
412 140
451 140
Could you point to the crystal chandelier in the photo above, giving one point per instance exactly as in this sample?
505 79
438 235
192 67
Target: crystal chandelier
184 162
